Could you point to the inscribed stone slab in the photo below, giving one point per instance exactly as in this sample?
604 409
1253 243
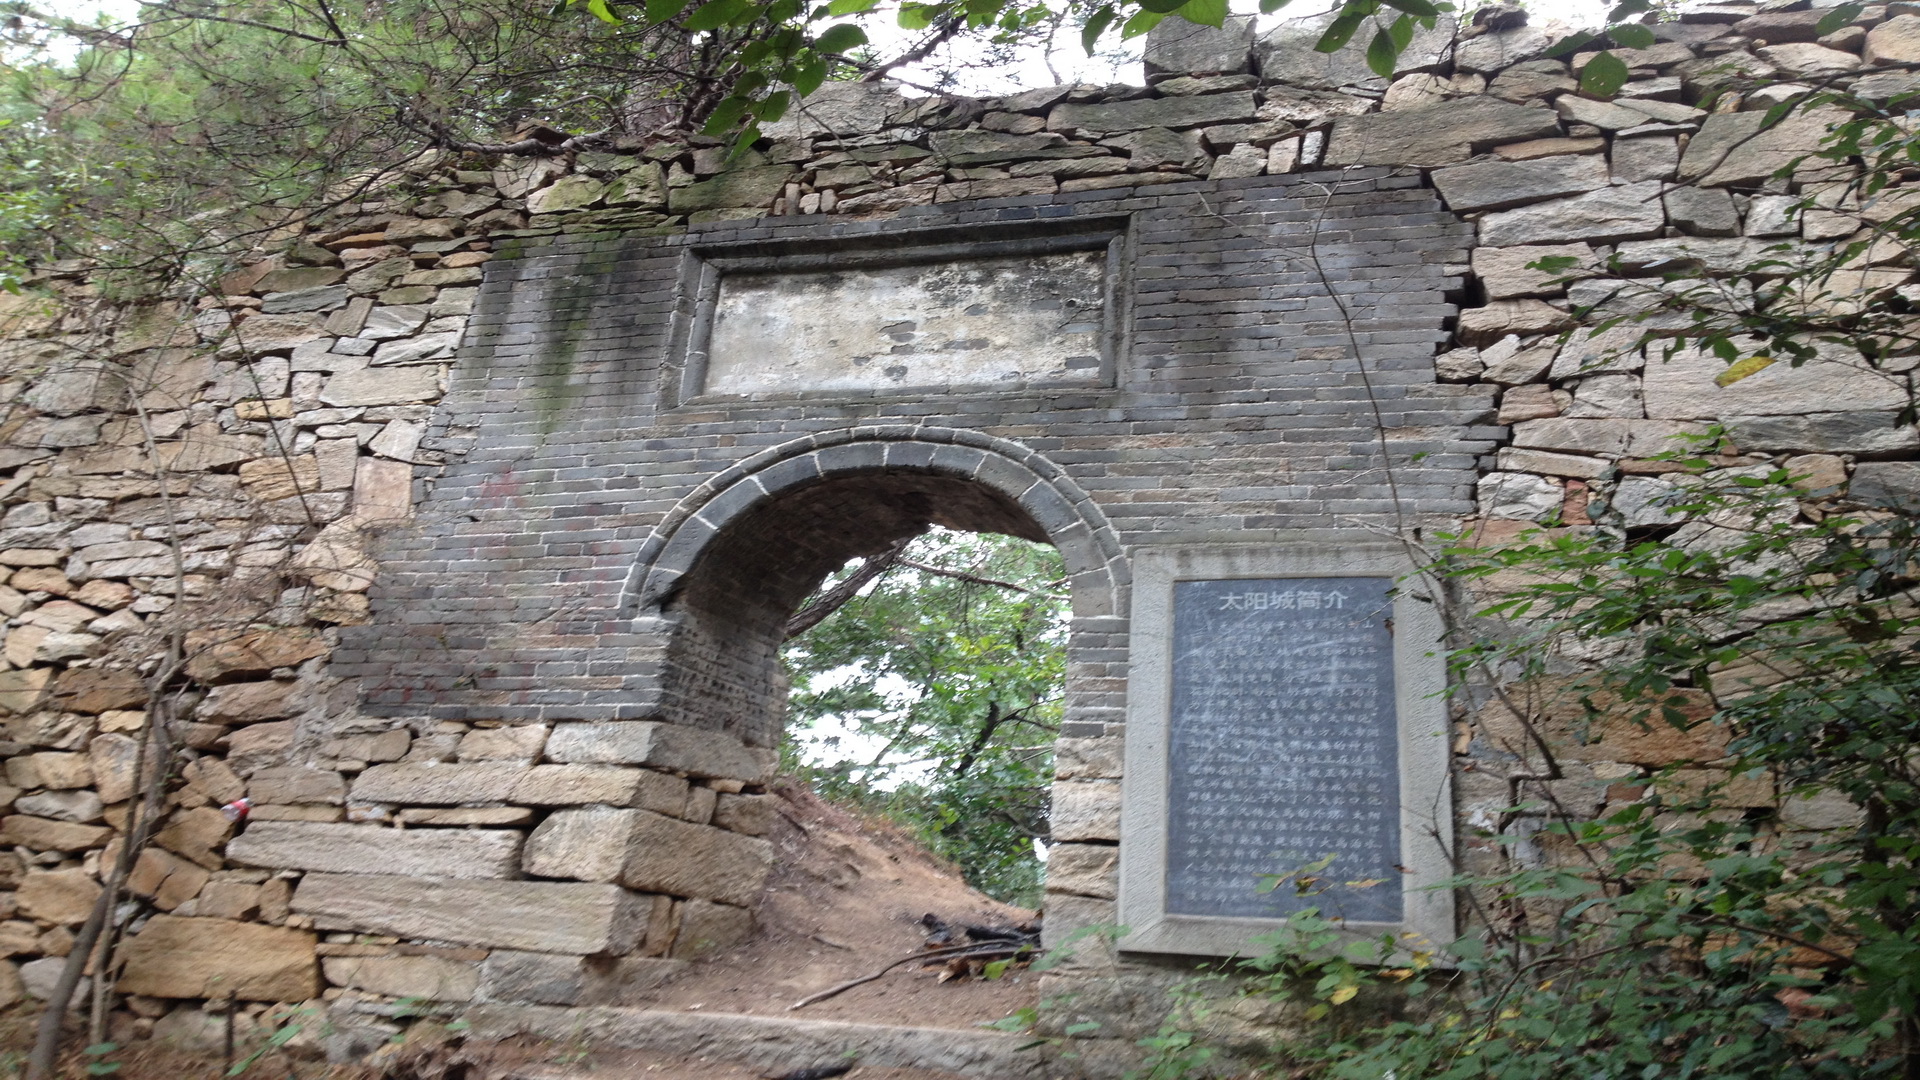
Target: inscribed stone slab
1285 703
1283 736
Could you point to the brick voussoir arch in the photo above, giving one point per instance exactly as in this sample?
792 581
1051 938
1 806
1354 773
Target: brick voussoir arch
1071 519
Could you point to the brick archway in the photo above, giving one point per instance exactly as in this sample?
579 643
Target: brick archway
728 565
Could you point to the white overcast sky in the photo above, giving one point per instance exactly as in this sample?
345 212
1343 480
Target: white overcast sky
1068 60
1072 64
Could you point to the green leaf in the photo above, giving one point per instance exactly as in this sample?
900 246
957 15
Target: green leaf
599 10
808 76
1097 25
1627 10
1019 1020
1605 74
1162 7
1402 33
1632 36
1382 54
994 969
1141 22
659 11
749 84
1268 7
1339 32
916 16
1422 8
1084 1027
714 14
850 7
725 115
773 106
841 38
1204 12
1837 18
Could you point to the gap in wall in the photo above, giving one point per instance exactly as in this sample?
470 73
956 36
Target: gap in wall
933 698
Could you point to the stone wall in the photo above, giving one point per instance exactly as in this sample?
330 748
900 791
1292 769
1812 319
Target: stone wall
471 591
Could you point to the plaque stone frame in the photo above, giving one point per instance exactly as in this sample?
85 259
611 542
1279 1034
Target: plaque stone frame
1419 680
704 268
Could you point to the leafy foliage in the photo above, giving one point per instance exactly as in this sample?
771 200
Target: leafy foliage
195 131
949 691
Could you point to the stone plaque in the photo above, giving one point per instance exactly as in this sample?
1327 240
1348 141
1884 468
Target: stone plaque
1285 702
1282 745
1003 322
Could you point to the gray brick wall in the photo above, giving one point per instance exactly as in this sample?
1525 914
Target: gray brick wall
600 553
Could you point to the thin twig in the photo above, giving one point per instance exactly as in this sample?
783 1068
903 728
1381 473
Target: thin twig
957 952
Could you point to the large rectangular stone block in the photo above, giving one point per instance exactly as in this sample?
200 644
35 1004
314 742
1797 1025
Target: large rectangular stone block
1497 185
545 979
608 785
539 916
345 849
1084 870
699 861
432 978
988 323
1683 387
588 844
419 783
172 957
1086 810
46 834
672 747
650 852
1628 212
1436 135
1153 112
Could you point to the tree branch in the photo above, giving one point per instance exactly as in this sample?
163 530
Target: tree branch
959 575
840 595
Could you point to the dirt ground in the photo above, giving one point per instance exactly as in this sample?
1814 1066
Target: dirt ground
847 897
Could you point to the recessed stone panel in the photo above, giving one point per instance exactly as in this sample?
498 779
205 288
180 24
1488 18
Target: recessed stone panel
1002 322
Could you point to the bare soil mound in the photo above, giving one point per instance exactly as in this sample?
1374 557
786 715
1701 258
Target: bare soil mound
847 897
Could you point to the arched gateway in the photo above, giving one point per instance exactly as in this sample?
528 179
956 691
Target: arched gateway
734 559
1210 396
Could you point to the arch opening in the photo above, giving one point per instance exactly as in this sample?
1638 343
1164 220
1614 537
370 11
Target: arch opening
932 698
731 611
733 563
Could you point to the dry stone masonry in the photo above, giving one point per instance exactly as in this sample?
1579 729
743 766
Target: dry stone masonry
479 507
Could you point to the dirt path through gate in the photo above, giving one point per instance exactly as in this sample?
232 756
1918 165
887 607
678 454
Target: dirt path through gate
847 896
